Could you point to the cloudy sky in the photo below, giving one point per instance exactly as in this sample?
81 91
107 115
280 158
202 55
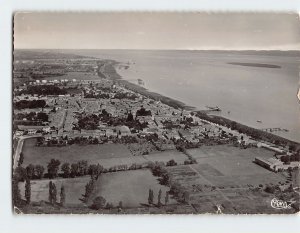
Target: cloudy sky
157 31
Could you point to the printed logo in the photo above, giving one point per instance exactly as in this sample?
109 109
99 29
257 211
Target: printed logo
280 204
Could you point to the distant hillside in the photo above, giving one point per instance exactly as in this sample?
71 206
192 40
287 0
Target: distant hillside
24 54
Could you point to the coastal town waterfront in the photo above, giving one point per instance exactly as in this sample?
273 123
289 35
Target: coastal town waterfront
87 141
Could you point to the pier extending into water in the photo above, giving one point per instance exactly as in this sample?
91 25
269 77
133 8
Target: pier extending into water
275 129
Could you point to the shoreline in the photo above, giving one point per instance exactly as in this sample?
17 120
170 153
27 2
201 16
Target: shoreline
109 71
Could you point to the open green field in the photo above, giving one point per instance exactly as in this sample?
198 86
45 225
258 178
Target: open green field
107 155
75 75
229 165
130 187
74 188
223 176
166 156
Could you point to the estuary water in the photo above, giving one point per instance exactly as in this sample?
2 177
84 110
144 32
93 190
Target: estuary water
256 89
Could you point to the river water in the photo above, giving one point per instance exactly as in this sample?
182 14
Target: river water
260 97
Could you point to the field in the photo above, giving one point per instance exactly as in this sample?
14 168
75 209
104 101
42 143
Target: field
232 161
107 155
74 188
166 156
226 176
75 75
130 187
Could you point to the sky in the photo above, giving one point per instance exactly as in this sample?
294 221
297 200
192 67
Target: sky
197 31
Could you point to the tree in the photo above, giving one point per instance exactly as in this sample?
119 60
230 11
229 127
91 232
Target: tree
52 193
167 198
150 197
82 167
270 189
20 174
120 205
165 178
16 194
39 171
159 198
89 187
21 159
54 197
297 156
74 169
65 168
30 171
27 191
143 112
171 163
95 170
293 157
98 203
129 117
53 168
109 205
285 159
62 196
292 147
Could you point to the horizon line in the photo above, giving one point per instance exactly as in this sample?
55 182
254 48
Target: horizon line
283 50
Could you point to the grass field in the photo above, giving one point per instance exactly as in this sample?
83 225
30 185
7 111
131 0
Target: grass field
74 188
232 161
130 187
166 156
223 176
107 155
75 75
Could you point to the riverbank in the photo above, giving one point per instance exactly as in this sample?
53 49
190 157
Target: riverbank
257 134
108 70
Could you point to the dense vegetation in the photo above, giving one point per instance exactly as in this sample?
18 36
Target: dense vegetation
32 116
44 90
30 104
255 133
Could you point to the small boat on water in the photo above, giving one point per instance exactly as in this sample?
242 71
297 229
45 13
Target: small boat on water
259 121
216 108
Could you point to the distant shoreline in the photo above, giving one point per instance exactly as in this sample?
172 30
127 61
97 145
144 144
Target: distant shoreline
110 70
260 65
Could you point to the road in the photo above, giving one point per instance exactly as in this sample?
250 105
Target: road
19 148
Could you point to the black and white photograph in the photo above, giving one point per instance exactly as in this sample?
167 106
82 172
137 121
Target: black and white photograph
148 113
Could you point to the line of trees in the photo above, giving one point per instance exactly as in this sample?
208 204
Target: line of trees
287 159
255 133
66 170
177 190
44 90
29 104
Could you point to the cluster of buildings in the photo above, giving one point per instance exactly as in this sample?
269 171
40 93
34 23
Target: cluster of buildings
65 110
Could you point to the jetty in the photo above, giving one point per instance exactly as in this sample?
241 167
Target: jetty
275 129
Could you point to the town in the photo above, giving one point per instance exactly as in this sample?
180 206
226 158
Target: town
102 145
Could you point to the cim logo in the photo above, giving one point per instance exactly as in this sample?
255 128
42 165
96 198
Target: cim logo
279 204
